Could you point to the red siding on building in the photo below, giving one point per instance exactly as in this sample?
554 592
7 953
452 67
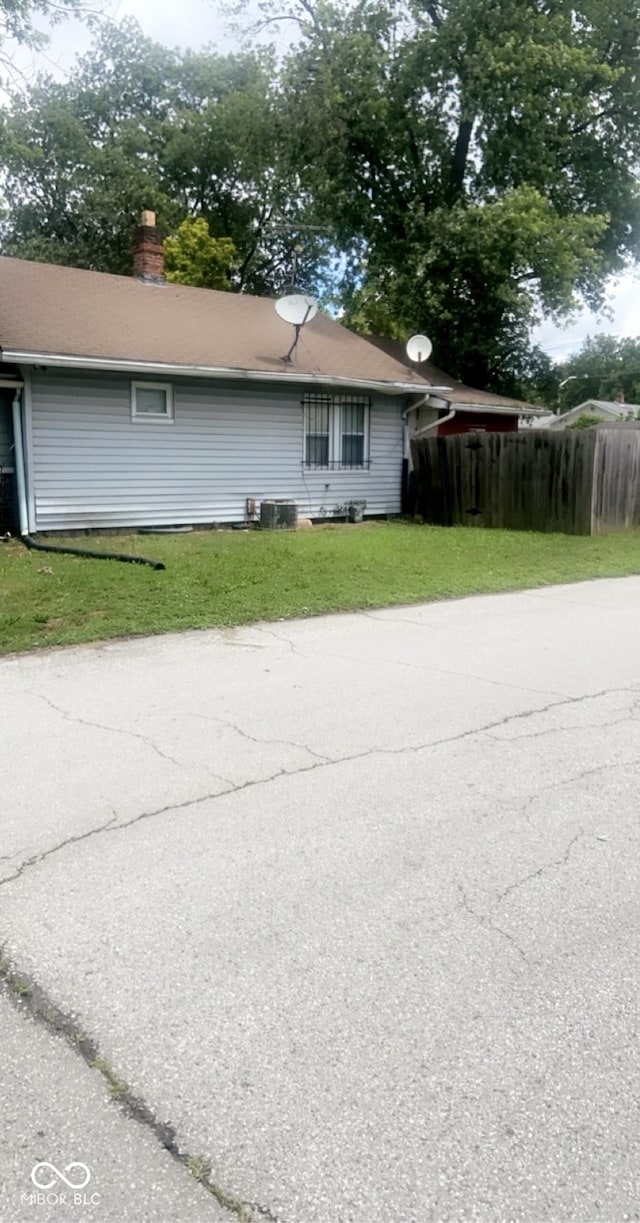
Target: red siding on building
491 422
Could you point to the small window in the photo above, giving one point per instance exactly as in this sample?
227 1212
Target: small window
152 401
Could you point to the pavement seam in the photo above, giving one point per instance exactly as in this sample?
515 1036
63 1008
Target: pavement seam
113 825
31 1000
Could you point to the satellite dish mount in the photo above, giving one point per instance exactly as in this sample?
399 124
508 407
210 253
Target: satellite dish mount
296 309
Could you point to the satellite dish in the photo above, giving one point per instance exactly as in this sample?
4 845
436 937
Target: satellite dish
297 308
419 348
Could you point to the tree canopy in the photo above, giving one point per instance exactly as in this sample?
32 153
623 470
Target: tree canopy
476 160
138 125
459 167
16 19
605 367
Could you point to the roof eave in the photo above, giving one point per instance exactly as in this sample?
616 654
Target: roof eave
168 369
491 409
495 409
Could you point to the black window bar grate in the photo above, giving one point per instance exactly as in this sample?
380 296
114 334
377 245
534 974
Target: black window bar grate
335 430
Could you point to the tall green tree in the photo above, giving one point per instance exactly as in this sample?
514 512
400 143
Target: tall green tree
605 367
140 126
475 159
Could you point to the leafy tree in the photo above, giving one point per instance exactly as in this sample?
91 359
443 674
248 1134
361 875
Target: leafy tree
474 159
80 159
16 22
140 126
194 257
606 367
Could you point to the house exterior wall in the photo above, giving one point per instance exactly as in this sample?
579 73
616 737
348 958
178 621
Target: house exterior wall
94 467
462 422
421 418
466 422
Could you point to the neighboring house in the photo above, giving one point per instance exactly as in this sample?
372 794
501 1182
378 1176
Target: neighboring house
604 409
141 403
459 408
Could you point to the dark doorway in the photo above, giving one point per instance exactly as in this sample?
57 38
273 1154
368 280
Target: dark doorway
7 467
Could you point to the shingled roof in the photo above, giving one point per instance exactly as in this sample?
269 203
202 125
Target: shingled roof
68 316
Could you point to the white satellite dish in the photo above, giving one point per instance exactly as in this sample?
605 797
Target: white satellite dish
419 348
297 308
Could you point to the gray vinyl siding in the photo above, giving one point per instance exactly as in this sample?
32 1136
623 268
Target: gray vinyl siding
94 467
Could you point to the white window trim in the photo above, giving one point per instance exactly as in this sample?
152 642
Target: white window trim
164 418
335 436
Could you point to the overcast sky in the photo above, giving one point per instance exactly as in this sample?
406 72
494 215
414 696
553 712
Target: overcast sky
196 23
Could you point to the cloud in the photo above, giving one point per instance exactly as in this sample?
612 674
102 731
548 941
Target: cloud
191 23
621 317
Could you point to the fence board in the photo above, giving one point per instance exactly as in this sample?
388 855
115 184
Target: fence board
578 482
616 484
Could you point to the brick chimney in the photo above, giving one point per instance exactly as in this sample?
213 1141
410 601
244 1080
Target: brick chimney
148 252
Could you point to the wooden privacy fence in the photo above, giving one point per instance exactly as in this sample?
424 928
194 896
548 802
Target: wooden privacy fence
581 482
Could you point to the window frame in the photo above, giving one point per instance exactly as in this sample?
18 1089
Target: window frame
156 418
337 405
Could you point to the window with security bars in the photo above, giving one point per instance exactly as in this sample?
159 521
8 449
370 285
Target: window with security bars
336 431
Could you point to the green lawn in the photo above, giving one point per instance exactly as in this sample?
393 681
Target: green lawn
231 577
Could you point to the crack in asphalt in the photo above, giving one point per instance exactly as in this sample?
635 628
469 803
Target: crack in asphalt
35 859
413 666
265 1212
25 993
626 715
486 921
269 632
555 863
114 730
428 666
378 618
245 734
323 763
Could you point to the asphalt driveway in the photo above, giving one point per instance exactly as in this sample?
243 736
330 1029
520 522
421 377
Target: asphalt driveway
350 904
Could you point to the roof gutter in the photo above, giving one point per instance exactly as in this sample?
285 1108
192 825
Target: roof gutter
483 409
167 369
